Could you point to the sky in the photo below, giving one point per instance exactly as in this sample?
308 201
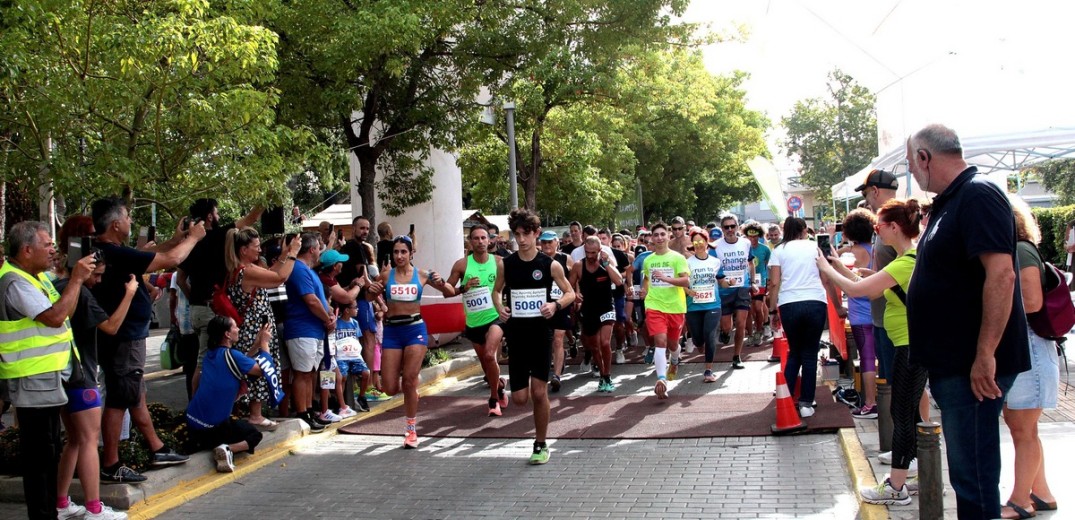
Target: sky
983 67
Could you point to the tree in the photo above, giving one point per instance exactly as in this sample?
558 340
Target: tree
1058 176
832 137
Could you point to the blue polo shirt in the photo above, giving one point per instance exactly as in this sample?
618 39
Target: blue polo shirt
301 323
944 300
223 369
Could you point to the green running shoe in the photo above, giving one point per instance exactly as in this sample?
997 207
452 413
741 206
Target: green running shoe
540 455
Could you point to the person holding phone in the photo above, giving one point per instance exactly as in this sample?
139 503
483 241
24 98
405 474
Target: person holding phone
247 287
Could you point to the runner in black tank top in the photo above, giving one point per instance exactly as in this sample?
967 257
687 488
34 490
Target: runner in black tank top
561 322
594 277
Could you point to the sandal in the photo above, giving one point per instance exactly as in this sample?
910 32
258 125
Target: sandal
1023 513
1042 505
265 424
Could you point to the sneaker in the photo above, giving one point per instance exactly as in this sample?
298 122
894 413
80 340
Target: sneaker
709 377
327 417
885 458
866 412
586 367
168 457
311 420
673 370
884 494
620 358
911 485
725 337
737 362
502 394
609 385
595 371
225 461
773 359
540 455
633 340
912 468
494 408
768 334
805 411
649 355
107 513
554 383
661 389
72 510
122 475
375 395
346 412
361 403
410 439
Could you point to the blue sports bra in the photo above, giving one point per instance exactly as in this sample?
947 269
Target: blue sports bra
403 292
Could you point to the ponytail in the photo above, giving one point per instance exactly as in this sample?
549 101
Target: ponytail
906 214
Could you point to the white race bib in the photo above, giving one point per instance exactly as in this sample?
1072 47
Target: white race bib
654 271
403 292
526 303
608 316
705 294
348 349
555 293
478 299
633 292
736 278
332 345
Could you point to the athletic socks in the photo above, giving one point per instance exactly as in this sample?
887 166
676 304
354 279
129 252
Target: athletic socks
660 357
412 422
93 506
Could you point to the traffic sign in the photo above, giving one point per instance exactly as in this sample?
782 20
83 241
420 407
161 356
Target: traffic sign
795 203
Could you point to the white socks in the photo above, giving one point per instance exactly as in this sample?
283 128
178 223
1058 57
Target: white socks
660 357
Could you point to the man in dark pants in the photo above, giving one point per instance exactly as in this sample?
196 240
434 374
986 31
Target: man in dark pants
965 313
35 356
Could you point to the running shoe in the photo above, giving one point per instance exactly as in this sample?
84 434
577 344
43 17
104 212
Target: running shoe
107 513
865 412
346 412
806 411
311 420
725 337
586 367
72 510
494 408
225 461
501 393
540 455
362 403
911 485
121 475
554 383
328 417
620 358
737 362
709 377
661 389
595 371
673 369
649 355
410 439
609 385
768 334
885 458
633 340
375 395
884 494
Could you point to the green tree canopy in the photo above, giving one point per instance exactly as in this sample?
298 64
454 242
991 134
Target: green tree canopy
1058 176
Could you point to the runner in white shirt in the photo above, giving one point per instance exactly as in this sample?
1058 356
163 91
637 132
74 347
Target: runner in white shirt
734 254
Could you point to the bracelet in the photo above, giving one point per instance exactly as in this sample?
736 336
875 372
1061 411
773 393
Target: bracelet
293 259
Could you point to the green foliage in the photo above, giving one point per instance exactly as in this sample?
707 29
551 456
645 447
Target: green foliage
1058 176
833 137
436 356
1053 222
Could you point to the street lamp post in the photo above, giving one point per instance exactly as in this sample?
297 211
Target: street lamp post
509 111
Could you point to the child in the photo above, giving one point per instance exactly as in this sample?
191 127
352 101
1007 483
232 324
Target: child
330 364
349 356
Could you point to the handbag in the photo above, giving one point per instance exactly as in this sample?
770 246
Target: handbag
1057 314
169 357
221 303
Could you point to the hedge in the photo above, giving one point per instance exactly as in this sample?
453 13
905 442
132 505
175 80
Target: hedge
1053 222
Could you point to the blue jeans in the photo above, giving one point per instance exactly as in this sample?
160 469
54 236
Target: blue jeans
886 352
972 439
803 324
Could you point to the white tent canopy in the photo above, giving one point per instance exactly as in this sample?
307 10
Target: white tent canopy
993 153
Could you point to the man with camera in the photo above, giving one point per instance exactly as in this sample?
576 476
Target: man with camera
123 355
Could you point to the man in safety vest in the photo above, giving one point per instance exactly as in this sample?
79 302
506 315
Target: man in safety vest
35 355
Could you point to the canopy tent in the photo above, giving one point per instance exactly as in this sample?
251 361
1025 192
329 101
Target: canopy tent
993 153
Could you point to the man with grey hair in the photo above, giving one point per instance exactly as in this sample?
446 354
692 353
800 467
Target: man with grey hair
974 349
123 355
309 321
35 355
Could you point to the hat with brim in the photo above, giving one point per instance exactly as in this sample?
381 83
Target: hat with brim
547 236
333 257
880 179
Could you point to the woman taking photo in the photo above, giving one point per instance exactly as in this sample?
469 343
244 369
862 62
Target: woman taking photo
247 287
796 289
858 230
897 226
1034 389
405 338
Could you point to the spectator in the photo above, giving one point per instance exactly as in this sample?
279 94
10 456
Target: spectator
349 357
858 230
1034 389
223 370
123 355
296 215
247 287
308 324
384 244
773 235
972 341
204 268
188 340
35 355
496 242
327 231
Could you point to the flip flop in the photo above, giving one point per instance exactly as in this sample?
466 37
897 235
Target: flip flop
1023 513
1042 505
265 424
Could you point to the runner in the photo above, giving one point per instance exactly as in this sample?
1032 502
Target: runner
759 254
636 310
679 242
703 307
593 279
478 273
528 278
619 296
405 337
665 275
561 322
735 259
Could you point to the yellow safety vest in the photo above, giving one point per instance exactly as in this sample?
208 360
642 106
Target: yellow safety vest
28 347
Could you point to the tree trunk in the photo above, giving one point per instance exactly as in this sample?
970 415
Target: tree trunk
367 172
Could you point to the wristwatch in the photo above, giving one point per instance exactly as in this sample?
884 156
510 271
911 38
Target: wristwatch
558 306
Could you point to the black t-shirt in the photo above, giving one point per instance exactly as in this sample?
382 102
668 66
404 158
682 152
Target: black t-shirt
622 264
122 262
205 265
356 263
88 315
944 300
567 247
384 252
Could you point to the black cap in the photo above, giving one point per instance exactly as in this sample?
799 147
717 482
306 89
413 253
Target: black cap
881 179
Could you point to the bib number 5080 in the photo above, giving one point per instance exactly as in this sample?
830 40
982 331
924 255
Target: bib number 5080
527 305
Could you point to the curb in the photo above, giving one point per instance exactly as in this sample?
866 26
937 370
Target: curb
858 468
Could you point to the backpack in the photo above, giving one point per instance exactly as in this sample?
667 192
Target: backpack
1057 315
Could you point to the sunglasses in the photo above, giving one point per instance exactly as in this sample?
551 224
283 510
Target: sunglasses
677 228
733 226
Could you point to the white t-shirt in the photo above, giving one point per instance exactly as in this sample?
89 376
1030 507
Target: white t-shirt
799 278
735 260
579 253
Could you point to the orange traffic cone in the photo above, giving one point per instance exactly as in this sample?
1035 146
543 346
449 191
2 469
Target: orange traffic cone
780 350
787 417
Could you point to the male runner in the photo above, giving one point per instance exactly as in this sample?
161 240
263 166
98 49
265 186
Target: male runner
593 279
478 272
619 296
665 275
561 322
736 261
679 242
528 278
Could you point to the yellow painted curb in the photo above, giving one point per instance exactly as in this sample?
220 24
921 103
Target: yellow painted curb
858 465
172 498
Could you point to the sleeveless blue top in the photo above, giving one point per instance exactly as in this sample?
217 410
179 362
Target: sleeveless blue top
397 292
858 309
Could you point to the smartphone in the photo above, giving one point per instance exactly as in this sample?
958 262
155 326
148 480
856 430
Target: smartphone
264 319
151 233
78 248
411 232
339 234
839 227
824 244
186 223
143 236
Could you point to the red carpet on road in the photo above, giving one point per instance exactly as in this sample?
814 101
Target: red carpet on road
636 355
606 417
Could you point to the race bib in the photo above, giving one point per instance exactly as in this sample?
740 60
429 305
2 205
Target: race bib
404 292
705 294
348 348
478 299
555 293
633 292
332 345
328 379
757 279
666 271
526 303
608 316
736 278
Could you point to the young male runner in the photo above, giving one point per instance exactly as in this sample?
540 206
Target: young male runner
665 275
593 279
478 272
528 277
